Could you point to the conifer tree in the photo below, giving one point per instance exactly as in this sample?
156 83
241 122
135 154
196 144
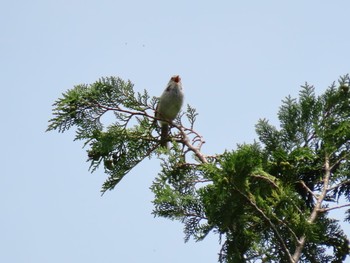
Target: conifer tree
268 201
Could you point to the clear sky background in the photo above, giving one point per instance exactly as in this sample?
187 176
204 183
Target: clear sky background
237 60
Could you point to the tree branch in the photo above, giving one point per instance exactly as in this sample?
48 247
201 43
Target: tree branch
195 150
183 130
342 158
272 225
338 185
322 210
265 178
316 210
308 189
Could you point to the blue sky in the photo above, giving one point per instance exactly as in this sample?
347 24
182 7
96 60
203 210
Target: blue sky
237 60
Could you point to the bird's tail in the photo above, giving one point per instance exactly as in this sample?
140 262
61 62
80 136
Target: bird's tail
164 135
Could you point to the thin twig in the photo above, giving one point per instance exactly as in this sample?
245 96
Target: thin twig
338 185
322 210
342 158
182 129
195 150
265 178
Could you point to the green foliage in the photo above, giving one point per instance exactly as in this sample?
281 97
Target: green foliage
266 200
239 187
262 199
310 129
234 197
120 146
176 195
314 134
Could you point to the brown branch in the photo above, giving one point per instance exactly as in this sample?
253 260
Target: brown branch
322 210
316 210
342 158
183 130
308 189
338 185
119 109
191 147
265 178
202 181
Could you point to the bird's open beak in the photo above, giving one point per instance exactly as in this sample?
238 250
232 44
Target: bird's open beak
176 78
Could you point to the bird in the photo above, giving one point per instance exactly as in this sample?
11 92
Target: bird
169 106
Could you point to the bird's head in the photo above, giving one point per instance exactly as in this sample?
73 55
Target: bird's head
176 78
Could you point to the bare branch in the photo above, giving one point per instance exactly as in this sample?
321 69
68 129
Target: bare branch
308 189
316 210
342 158
338 185
322 210
185 132
191 147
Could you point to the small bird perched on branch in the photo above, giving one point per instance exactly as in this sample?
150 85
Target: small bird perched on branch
169 106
